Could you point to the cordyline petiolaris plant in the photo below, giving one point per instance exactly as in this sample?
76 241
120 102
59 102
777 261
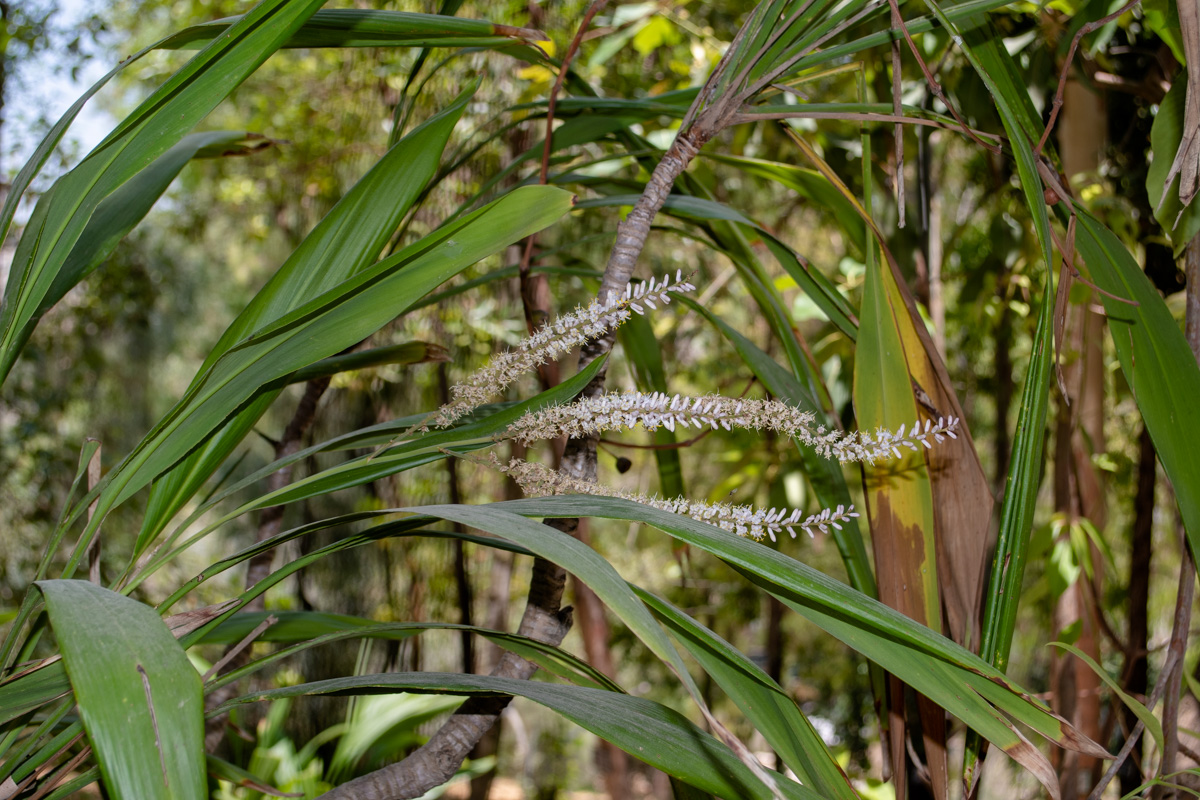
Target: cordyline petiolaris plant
95 679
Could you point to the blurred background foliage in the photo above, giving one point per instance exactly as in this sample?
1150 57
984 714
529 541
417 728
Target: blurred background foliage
111 359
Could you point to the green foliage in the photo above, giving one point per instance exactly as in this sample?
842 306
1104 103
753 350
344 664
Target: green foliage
397 230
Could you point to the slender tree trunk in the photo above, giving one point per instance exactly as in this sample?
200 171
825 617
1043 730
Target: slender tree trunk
1080 433
1136 669
270 523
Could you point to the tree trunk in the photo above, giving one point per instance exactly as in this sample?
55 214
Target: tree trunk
1136 669
1079 434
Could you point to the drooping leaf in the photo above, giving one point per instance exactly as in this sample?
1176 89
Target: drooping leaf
329 323
347 241
648 731
357 27
772 712
1003 596
956 679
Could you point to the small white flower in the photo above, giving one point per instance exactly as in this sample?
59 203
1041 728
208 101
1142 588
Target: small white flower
539 480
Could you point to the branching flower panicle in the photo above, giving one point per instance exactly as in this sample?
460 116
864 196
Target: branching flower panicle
550 342
619 410
539 480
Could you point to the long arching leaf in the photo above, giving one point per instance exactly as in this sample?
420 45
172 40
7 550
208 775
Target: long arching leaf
646 730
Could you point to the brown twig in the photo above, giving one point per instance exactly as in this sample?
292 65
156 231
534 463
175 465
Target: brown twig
535 315
851 116
1174 676
898 129
1056 105
934 86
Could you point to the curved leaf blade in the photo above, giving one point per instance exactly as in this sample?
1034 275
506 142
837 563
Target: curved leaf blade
648 731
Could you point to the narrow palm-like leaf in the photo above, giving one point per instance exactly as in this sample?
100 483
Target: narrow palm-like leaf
345 243
648 731
772 712
1003 596
32 689
62 214
1155 359
325 325
1144 715
834 602
422 449
117 214
1166 137
308 630
356 27
139 697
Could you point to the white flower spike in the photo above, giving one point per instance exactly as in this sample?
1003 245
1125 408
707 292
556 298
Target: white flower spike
619 410
756 523
567 332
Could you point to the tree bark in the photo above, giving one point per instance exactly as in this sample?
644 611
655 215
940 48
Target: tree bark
1136 669
1080 433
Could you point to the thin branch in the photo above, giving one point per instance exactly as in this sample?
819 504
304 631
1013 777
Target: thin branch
593 10
1174 676
936 87
897 110
853 116
1056 106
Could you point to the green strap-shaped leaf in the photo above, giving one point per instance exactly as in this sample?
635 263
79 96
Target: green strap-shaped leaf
62 214
1155 358
118 213
423 449
329 323
653 733
801 584
772 712
347 241
352 27
1002 598
139 697
312 629
1166 136
32 690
